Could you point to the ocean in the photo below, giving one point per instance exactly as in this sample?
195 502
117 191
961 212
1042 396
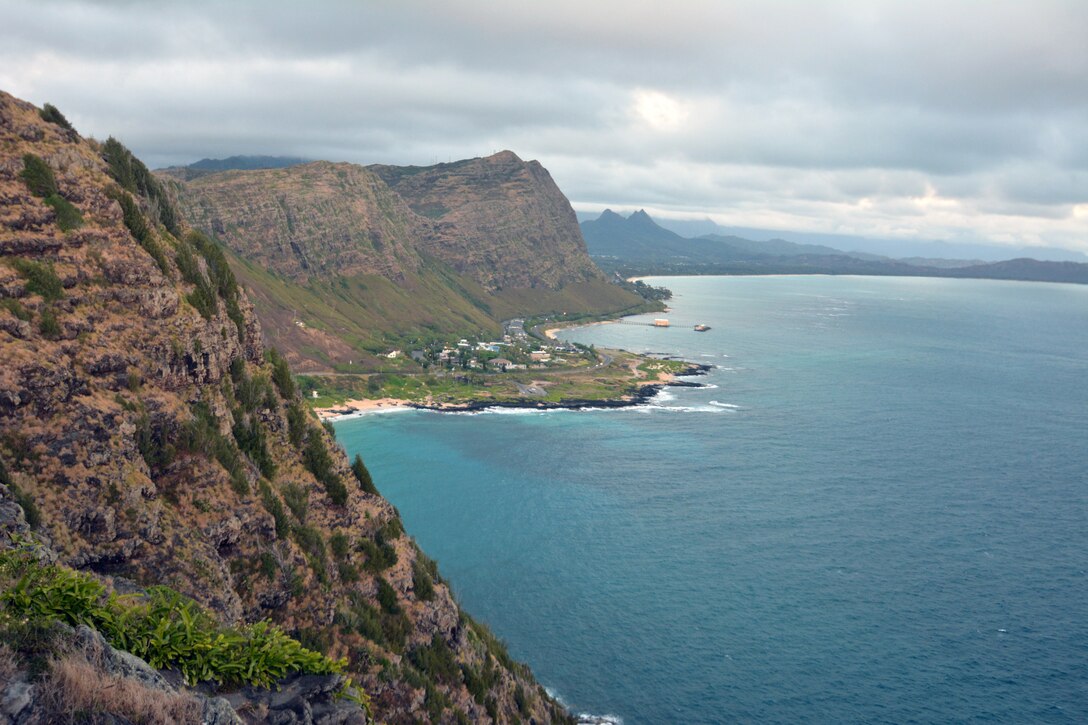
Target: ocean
875 511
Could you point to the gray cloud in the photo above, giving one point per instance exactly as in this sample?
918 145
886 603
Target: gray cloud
933 118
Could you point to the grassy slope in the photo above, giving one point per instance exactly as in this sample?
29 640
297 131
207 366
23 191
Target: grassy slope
357 318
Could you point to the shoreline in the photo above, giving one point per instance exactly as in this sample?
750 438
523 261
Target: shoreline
553 330
642 392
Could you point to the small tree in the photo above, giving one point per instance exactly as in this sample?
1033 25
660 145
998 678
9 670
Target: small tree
363 475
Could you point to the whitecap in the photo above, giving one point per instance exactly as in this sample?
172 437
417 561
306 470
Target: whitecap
731 406
584 718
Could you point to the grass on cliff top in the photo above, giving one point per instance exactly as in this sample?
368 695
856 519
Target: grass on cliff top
163 627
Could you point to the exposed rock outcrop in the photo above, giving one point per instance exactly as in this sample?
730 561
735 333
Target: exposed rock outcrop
154 442
501 220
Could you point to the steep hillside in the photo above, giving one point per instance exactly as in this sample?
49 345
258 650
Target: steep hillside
312 221
503 221
341 267
150 438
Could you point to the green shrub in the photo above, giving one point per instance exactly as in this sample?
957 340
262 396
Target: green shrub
422 582
133 176
281 373
436 660
165 628
38 176
250 436
269 566
379 557
362 475
51 114
436 702
340 545
137 225
387 597
393 529
362 617
40 278
220 276
16 308
347 572
153 445
68 217
296 423
25 501
274 506
48 325
317 460
297 499
309 540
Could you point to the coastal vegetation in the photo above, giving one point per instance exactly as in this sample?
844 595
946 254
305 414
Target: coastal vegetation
160 626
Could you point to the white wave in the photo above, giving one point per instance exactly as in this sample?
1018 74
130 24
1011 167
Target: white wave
678 409
365 413
731 406
663 396
709 386
584 718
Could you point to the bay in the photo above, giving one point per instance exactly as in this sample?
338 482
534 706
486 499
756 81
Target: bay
877 511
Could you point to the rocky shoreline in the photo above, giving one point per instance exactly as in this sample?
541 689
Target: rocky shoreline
640 396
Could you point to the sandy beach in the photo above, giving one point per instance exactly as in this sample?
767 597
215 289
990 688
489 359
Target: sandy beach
551 332
351 407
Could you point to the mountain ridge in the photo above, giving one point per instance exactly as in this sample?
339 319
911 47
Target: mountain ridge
637 245
345 261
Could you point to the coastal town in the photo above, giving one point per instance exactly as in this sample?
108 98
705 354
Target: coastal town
526 366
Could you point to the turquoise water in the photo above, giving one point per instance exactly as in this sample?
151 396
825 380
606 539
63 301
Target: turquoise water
878 513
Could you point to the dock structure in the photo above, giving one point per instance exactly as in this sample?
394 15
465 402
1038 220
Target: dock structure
661 323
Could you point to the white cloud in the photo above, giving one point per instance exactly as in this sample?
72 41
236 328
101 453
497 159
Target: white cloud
658 111
939 118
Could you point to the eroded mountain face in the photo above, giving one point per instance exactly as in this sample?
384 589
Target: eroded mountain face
501 220
157 441
306 222
343 262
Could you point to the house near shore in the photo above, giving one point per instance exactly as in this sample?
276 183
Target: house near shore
499 363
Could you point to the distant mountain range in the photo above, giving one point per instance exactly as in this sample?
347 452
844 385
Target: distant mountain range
638 245
937 253
242 163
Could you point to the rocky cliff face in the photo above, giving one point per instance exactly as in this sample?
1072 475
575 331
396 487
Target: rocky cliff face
155 441
316 220
501 220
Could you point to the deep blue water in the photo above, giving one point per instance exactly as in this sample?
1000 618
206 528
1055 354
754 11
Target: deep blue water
891 525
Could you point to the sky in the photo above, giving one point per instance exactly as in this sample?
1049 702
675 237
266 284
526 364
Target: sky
961 120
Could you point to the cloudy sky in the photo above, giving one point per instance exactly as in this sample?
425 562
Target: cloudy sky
955 119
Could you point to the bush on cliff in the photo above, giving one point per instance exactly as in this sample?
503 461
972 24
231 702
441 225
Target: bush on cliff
52 114
164 628
40 278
